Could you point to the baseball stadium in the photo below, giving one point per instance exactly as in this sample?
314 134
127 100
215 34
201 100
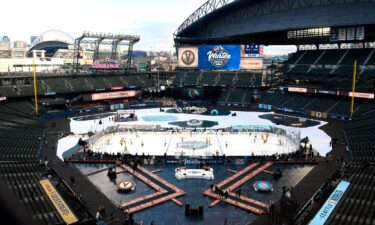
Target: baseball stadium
227 136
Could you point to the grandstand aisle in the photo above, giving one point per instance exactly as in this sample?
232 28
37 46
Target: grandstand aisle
92 197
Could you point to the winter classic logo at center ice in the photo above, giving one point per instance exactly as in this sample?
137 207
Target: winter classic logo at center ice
218 56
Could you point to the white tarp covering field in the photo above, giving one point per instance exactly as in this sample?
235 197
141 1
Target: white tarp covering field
158 144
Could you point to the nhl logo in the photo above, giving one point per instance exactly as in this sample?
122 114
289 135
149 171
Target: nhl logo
218 56
188 57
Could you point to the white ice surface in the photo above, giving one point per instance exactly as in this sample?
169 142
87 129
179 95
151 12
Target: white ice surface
159 143
66 143
154 143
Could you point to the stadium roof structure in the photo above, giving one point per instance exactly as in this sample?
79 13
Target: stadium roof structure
51 41
51 47
268 21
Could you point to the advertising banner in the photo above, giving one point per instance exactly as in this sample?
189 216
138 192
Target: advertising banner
288 110
319 115
328 207
106 66
167 103
219 57
117 88
145 104
109 95
338 117
187 57
327 92
361 95
251 63
50 93
296 89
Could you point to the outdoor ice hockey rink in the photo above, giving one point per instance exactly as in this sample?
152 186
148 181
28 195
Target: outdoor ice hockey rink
186 142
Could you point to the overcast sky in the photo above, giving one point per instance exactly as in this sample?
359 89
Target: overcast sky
154 20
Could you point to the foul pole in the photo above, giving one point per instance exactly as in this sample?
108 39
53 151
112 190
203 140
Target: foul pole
35 90
353 87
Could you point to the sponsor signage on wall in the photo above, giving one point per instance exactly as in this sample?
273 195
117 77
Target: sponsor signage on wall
109 95
3 98
117 88
188 57
361 95
295 89
328 207
289 110
219 57
318 114
49 93
106 66
338 117
326 92
251 63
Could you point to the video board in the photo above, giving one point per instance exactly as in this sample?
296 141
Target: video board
252 51
219 57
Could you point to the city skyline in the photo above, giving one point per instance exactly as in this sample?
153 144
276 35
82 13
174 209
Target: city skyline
154 21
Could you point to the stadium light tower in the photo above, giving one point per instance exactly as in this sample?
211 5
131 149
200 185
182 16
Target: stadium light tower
101 38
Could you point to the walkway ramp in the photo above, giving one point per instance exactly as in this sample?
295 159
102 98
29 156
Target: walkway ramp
237 180
165 191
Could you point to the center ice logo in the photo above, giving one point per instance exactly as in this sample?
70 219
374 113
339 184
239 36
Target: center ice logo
218 56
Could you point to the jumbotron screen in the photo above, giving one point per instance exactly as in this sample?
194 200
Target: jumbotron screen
221 57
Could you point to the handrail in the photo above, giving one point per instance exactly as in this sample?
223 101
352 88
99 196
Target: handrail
309 202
